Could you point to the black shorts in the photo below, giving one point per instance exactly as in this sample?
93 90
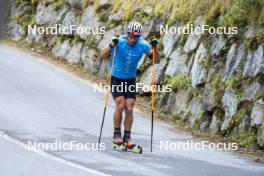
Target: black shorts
123 87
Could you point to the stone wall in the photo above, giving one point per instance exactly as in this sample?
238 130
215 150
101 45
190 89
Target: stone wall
217 79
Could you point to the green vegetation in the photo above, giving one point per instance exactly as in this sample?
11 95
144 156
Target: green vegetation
235 82
144 66
218 89
91 42
179 82
237 118
235 12
253 43
103 15
246 138
176 116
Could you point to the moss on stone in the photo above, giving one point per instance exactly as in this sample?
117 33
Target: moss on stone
91 42
218 89
246 139
179 82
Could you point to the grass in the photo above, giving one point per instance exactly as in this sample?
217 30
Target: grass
179 82
218 89
235 12
246 139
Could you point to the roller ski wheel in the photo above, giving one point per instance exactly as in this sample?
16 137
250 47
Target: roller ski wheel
119 145
131 147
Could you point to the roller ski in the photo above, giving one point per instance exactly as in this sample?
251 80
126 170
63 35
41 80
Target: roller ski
131 147
119 145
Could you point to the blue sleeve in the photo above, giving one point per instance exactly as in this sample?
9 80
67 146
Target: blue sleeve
146 48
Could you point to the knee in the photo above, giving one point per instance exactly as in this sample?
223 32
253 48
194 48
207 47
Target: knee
129 109
120 107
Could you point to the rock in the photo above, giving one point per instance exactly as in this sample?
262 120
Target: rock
163 100
61 14
195 110
45 15
176 102
146 78
180 102
215 125
147 29
142 61
170 102
260 136
229 102
257 115
117 17
198 71
153 27
193 38
22 9
108 37
209 103
245 124
218 44
69 19
169 41
104 68
190 63
102 4
34 38
74 3
255 63
177 64
15 31
148 10
250 92
251 32
234 58
91 20
50 42
234 131
61 50
204 125
74 55
91 60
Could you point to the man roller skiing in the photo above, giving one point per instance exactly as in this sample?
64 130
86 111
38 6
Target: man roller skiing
129 49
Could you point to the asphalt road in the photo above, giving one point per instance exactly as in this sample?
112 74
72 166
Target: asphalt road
42 103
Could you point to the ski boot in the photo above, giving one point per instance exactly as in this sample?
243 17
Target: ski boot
118 144
131 147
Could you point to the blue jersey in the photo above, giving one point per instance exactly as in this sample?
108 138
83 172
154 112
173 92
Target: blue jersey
127 57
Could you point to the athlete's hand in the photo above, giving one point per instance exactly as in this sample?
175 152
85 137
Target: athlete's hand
114 41
154 42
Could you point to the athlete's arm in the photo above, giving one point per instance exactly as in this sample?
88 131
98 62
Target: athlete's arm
105 53
154 54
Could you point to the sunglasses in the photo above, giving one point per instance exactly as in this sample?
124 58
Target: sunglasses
133 35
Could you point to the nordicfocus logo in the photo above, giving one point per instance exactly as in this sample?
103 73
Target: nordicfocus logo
59 29
190 145
139 87
58 145
198 30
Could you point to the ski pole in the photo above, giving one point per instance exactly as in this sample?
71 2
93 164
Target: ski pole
107 95
153 102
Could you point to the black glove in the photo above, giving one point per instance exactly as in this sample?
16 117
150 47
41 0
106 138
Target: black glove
114 41
154 42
